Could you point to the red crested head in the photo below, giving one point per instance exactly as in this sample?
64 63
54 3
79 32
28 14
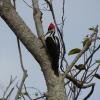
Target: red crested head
51 27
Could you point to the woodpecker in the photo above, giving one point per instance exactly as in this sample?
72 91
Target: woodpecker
53 48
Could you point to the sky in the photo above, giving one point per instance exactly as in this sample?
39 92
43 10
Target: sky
79 14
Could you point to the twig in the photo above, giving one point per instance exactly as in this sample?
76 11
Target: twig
92 54
24 72
21 94
37 15
36 90
94 71
27 4
39 97
92 89
26 92
79 84
63 12
21 85
10 83
89 58
9 93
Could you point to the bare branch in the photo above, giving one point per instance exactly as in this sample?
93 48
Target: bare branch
63 13
92 89
92 54
9 85
39 97
37 15
26 93
9 93
8 88
79 84
24 72
21 85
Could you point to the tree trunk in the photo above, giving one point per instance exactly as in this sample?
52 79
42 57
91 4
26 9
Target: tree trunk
55 85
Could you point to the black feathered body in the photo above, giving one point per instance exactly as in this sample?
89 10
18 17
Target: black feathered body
53 49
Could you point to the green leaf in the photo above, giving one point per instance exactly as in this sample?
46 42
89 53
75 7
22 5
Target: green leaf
98 61
74 51
85 41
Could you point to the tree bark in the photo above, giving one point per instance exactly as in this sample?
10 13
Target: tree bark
55 85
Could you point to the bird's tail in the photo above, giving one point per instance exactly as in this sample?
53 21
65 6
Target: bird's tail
55 67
